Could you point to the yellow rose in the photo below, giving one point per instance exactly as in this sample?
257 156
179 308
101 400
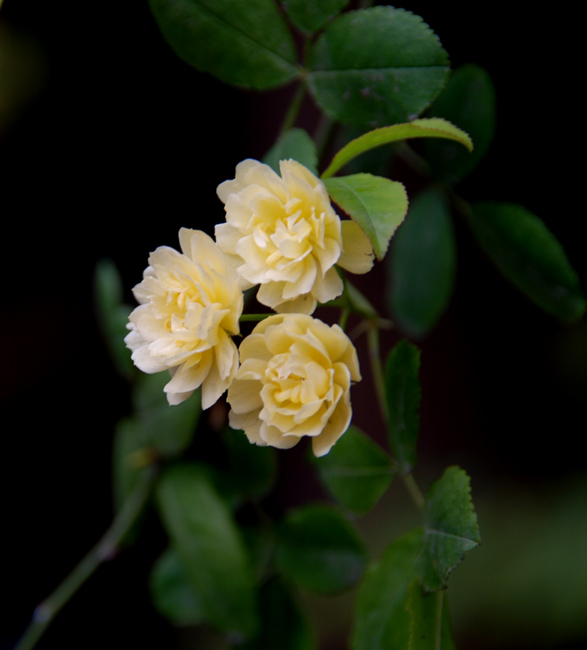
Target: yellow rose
283 234
189 308
294 381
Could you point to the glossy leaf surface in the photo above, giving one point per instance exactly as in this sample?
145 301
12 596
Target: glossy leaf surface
451 527
377 204
392 80
423 128
242 43
310 16
422 264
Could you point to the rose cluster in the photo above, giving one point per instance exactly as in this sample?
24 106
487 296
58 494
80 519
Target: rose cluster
294 373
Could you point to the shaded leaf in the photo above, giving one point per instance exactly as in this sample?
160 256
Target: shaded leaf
402 388
356 471
210 548
423 128
469 101
112 315
430 624
392 80
252 468
377 204
284 625
296 144
310 16
451 527
382 621
422 264
529 256
172 591
130 456
319 550
242 43
167 429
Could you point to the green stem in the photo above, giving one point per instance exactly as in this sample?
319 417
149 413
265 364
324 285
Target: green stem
104 550
377 371
294 109
414 491
379 381
253 317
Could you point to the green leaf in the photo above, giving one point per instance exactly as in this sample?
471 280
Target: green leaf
172 591
356 471
167 429
130 456
423 128
422 265
377 66
251 471
382 621
296 144
469 101
377 204
430 624
210 548
319 550
284 625
529 256
402 388
310 16
112 315
451 527
242 43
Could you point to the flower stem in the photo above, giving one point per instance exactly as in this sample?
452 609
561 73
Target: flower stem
104 550
253 317
379 381
294 109
377 371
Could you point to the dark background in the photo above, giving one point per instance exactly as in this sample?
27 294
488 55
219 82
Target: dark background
109 144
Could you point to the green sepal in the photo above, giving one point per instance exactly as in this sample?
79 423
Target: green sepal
529 256
296 144
451 527
356 471
422 265
403 393
242 43
391 80
422 128
208 543
319 550
377 204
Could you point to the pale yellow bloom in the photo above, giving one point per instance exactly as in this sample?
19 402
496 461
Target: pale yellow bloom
294 381
284 235
189 308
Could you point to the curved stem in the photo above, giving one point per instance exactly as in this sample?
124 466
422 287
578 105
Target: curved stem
104 550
